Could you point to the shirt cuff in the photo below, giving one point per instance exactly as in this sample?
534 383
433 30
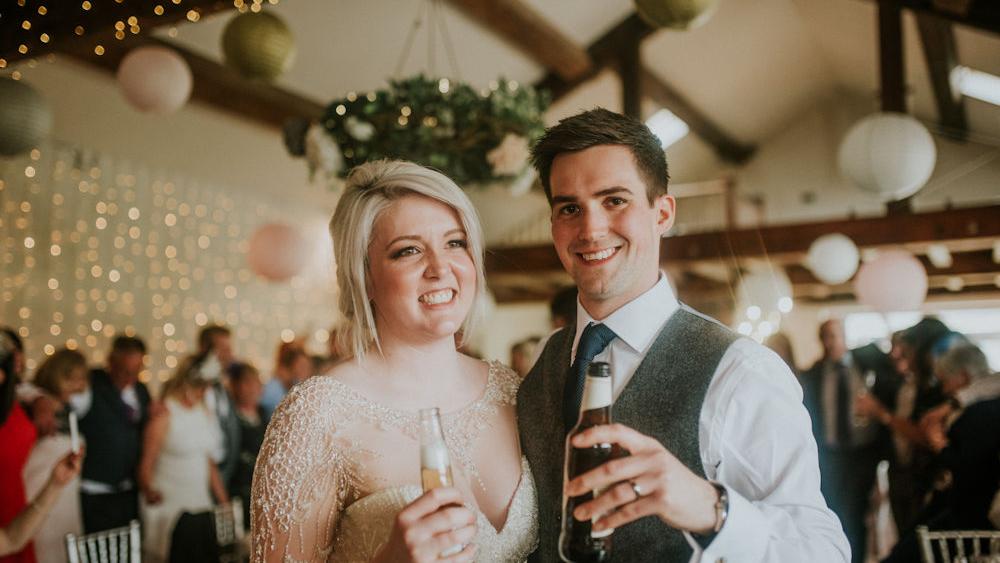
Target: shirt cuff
743 536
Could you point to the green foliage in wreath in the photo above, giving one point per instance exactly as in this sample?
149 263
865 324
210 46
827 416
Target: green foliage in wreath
445 125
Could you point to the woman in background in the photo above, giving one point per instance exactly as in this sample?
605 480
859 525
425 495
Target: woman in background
17 436
176 472
61 375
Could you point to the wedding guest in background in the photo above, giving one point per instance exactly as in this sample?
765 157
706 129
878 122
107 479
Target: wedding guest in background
60 376
523 354
562 307
177 473
968 453
40 408
15 535
850 447
293 366
782 346
246 385
113 412
17 436
218 341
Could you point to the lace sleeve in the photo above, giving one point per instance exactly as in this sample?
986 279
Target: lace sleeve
301 480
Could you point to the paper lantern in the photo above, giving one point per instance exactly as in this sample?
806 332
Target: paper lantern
833 258
25 117
277 252
891 155
155 79
676 14
258 46
893 281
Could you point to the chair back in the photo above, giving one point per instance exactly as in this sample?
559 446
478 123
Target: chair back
229 531
118 545
959 546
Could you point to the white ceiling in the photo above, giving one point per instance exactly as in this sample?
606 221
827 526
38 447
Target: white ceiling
753 67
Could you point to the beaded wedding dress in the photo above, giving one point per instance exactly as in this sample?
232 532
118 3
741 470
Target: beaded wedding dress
336 467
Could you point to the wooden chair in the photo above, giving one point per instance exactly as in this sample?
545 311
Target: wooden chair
959 546
229 533
119 545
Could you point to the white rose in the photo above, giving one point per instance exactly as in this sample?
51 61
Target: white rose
360 130
510 157
322 152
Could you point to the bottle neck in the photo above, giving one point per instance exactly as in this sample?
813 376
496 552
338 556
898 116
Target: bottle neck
595 406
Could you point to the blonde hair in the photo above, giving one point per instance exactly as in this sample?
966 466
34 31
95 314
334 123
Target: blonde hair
57 368
370 189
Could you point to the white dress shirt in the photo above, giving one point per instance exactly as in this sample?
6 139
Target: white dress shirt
754 436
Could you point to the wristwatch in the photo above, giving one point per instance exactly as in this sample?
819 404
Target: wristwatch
721 513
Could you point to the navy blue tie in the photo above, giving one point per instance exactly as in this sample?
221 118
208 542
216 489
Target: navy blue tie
593 341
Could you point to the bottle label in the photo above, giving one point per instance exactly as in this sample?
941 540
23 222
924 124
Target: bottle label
597 393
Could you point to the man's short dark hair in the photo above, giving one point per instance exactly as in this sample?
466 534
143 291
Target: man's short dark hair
208 334
124 344
602 127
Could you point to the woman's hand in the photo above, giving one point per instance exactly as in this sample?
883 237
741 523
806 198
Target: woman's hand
430 526
67 468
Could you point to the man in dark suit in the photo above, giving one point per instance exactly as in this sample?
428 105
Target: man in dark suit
850 446
113 413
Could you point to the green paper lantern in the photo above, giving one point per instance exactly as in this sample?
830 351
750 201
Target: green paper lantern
676 14
25 117
258 46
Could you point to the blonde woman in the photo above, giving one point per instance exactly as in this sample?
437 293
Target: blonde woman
337 478
176 472
60 376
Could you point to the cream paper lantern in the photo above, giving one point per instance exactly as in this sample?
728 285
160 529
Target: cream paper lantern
833 258
25 117
258 45
676 14
155 79
277 252
889 154
892 281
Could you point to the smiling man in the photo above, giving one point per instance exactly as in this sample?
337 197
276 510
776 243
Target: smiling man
723 462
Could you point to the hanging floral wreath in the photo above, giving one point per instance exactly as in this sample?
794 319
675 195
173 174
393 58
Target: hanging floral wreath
473 137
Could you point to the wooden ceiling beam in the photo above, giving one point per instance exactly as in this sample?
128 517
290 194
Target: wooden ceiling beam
214 84
778 242
938 40
525 29
978 14
62 22
604 52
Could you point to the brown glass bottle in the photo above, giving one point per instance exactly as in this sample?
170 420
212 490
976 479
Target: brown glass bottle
578 543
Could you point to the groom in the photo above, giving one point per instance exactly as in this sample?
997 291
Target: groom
723 462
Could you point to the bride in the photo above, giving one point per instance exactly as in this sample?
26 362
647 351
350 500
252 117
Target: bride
338 474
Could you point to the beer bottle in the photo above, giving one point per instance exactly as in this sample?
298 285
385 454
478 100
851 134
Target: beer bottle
578 543
435 466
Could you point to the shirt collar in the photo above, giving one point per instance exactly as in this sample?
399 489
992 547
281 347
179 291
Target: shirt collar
637 322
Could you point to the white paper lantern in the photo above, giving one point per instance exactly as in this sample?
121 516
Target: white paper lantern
893 281
25 117
155 79
889 154
277 252
833 258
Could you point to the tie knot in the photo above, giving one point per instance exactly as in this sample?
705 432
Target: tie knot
595 338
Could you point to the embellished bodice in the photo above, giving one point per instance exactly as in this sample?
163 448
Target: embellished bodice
336 467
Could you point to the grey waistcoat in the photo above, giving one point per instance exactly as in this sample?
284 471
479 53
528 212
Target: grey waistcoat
663 400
